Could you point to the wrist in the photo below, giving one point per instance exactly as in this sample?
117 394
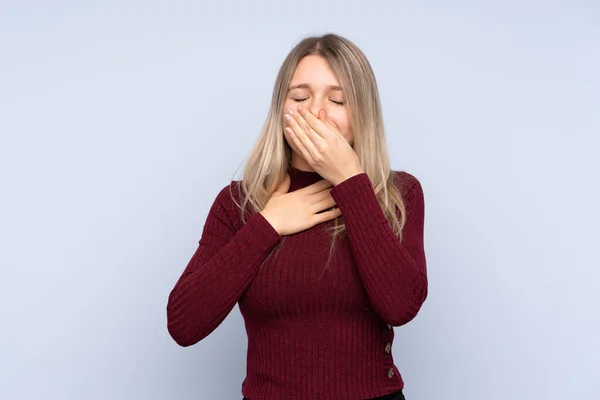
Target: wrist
349 175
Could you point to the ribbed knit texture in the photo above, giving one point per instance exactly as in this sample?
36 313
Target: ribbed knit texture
313 333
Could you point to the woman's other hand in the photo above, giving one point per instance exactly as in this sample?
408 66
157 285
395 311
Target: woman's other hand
301 209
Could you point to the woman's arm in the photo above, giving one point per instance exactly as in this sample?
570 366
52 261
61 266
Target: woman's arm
394 273
220 270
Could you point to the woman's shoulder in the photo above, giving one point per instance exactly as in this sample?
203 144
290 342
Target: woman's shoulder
229 196
406 182
227 204
229 192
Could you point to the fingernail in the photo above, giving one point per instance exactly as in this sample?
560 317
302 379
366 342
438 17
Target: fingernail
288 117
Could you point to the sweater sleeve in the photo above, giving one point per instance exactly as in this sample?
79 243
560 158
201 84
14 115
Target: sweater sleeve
223 266
394 273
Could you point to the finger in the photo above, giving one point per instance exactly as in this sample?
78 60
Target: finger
300 135
320 196
324 204
305 153
328 215
317 187
315 123
323 117
329 123
317 141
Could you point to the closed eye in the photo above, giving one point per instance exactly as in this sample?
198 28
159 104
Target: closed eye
340 103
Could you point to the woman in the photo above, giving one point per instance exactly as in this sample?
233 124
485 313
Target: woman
319 309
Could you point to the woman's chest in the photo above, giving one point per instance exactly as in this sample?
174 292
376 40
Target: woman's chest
303 276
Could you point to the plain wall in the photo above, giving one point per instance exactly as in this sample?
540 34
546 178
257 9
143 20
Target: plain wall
121 120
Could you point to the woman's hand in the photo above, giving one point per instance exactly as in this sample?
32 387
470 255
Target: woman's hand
322 145
301 209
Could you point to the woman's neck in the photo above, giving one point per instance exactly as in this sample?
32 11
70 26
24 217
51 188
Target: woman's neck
300 164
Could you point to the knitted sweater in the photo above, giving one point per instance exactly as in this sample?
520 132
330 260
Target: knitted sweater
313 333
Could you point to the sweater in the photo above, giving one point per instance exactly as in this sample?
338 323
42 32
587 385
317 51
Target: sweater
314 333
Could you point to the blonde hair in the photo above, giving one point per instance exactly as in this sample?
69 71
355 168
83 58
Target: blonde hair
270 158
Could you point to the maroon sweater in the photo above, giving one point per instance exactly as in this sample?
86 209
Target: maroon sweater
313 333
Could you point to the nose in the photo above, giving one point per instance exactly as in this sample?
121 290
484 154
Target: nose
316 104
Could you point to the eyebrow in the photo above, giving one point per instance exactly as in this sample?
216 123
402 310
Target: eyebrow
307 86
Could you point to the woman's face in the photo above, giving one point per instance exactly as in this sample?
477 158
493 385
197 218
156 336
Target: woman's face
315 87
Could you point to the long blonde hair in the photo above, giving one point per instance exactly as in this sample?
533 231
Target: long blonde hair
270 158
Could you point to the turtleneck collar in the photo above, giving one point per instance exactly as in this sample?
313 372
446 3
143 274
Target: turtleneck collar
300 178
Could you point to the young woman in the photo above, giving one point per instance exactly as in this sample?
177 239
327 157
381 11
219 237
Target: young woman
320 243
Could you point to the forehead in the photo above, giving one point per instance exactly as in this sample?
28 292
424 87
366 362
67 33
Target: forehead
315 71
